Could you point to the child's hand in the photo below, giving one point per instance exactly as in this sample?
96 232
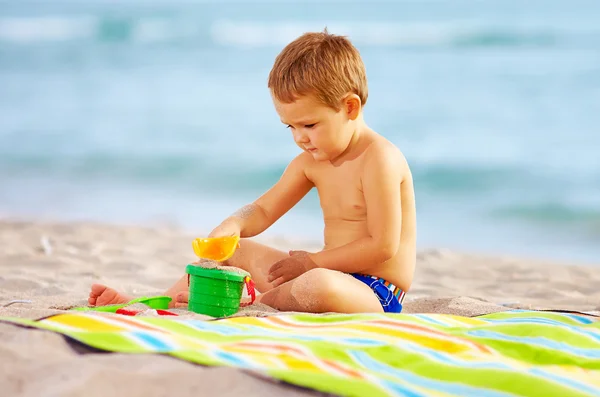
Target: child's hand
228 228
288 269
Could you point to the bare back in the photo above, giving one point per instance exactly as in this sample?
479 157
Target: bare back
342 200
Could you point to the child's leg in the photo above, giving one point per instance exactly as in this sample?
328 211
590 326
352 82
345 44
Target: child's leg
256 259
323 290
253 257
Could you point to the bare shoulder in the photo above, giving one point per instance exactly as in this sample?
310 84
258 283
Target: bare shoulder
301 162
384 156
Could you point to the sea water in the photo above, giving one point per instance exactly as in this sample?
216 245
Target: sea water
158 111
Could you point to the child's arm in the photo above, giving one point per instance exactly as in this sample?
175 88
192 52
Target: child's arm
383 173
255 218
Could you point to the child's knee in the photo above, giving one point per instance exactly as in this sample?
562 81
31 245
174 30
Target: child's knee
318 279
319 284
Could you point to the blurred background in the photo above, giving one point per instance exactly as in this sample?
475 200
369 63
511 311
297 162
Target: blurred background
158 112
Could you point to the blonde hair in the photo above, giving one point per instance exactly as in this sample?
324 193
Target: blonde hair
325 65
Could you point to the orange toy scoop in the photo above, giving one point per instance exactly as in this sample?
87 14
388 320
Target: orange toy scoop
216 248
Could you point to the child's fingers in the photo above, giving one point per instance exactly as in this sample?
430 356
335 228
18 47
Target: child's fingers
278 282
276 266
275 270
274 275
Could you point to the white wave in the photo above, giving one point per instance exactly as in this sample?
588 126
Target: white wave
56 29
253 34
153 30
36 29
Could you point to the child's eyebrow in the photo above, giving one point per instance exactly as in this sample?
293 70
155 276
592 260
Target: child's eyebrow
300 122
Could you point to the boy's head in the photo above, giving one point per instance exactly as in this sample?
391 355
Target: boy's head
322 65
319 86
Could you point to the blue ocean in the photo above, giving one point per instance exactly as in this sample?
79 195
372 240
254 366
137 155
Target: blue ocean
154 112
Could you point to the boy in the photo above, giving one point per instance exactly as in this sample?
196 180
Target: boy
319 88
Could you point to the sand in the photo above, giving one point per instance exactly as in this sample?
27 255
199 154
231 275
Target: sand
53 265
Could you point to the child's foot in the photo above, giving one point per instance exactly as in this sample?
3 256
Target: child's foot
180 301
101 295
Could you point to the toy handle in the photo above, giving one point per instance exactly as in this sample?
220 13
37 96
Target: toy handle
250 288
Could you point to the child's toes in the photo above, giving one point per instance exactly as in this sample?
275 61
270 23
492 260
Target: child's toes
182 297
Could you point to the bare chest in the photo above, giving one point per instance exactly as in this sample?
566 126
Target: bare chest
340 192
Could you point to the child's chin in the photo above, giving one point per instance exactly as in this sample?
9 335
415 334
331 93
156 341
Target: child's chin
315 153
320 156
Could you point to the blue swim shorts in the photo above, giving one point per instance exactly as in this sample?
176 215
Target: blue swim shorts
389 295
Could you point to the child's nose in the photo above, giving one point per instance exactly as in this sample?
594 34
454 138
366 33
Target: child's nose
299 137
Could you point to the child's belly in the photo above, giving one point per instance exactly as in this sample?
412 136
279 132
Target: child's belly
339 232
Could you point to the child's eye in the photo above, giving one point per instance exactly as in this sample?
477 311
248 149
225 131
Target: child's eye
310 125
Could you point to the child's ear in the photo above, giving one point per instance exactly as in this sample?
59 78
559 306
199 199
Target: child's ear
352 105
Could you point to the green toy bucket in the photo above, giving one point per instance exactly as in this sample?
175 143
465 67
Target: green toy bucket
214 292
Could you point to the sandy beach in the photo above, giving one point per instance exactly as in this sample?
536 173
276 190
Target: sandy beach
53 265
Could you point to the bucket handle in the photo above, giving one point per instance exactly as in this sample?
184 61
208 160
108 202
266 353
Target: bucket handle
250 288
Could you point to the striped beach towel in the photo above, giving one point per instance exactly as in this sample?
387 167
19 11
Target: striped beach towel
516 353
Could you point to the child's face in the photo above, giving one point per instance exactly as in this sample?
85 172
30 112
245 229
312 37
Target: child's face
316 128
